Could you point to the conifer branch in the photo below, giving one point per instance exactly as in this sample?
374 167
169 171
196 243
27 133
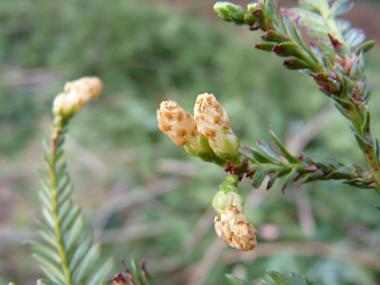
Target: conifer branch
334 60
67 257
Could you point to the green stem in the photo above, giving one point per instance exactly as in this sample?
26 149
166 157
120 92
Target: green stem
57 128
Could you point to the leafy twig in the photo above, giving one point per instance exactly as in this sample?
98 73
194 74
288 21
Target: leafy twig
68 256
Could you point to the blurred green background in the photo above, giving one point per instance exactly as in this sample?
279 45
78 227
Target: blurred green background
142 194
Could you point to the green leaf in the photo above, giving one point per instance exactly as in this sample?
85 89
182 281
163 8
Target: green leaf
48 218
312 177
343 25
62 183
287 49
87 263
343 111
46 282
136 272
365 126
70 219
49 237
65 194
61 139
289 178
265 46
354 37
274 36
310 282
285 24
377 207
65 209
297 280
267 282
365 47
270 9
279 278
237 281
295 64
45 200
74 233
272 180
43 250
81 251
259 157
268 151
364 144
50 267
288 156
46 190
45 177
341 7
259 176
102 272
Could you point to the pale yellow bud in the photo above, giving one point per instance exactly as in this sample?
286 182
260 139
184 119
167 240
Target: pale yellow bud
235 230
210 116
175 122
212 122
76 94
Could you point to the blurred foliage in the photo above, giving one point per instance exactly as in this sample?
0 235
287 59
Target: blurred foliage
146 53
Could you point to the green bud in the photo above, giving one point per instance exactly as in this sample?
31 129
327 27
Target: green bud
230 12
199 146
253 7
221 10
222 201
225 145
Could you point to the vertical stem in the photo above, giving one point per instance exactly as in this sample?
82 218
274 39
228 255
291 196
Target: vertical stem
57 128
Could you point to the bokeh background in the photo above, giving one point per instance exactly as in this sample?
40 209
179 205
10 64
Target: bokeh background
144 197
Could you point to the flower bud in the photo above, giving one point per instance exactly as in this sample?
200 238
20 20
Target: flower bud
181 128
223 200
253 7
175 122
212 122
230 224
75 95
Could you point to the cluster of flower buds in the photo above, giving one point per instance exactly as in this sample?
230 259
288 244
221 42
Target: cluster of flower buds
231 225
75 95
207 135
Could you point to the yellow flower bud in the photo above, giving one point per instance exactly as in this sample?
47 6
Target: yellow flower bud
175 122
212 122
235 230
76 94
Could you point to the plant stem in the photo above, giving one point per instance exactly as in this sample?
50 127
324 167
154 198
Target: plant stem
57 132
